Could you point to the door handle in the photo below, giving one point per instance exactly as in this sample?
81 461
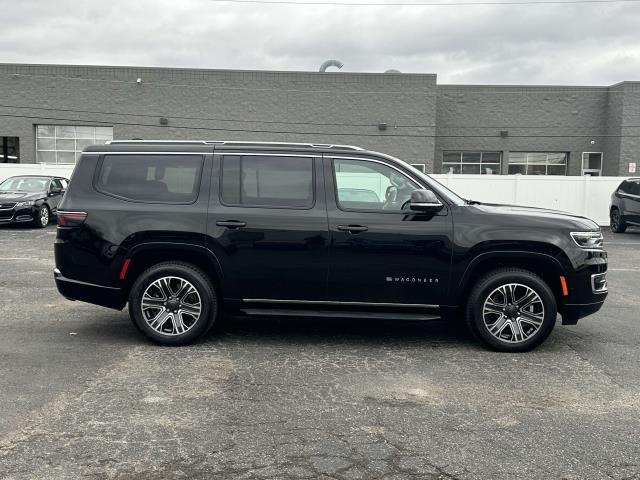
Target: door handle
353 228
231 223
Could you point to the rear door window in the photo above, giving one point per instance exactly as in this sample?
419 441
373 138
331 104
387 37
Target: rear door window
267 181
151 178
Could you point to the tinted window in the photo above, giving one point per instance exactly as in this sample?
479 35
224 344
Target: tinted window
634 188
55 183
151 178
267 181
624 187
371 185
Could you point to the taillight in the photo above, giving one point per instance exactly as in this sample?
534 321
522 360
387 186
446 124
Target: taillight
71 219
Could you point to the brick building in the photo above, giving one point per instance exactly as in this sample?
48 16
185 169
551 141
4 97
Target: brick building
48 113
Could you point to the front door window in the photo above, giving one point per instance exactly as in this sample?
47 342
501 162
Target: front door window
372 186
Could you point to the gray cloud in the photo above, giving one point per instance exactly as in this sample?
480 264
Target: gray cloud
556 44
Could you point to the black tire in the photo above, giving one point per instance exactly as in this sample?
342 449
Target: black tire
195 327
487 289
616 221
40 221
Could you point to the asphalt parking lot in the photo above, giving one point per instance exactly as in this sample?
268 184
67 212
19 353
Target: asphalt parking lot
84 395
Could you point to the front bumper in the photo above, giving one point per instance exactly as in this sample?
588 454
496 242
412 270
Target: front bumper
572 312
110 297
18 215
587 289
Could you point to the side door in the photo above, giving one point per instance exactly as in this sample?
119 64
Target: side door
381 253
56 191
267 224
632 201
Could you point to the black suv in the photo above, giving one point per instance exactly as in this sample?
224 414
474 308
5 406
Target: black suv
625 205
30 198
182 230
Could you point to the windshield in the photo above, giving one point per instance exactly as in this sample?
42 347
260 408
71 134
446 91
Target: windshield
25 184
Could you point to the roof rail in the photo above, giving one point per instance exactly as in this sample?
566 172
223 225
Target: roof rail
236 142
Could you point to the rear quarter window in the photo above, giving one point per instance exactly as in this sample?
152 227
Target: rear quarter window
151 178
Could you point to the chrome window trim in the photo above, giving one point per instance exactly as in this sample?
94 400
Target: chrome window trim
146 153
333 302
266 154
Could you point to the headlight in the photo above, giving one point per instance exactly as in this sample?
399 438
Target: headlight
587 239
25 204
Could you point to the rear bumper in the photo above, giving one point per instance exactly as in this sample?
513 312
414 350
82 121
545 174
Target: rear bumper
110 297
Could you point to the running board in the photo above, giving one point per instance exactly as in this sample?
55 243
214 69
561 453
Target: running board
287 312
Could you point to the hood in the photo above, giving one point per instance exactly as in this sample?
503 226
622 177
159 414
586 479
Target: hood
536 214
10 197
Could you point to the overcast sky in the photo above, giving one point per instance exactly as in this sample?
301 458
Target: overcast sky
583 44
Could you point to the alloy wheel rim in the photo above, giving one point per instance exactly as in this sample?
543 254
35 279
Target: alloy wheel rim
44 216
615 217
513 313
171 306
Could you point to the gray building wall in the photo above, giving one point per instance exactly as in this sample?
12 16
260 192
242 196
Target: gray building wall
537 119
423 119
218 104
629 134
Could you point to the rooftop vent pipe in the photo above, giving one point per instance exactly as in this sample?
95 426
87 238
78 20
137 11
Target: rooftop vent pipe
330 63
392 70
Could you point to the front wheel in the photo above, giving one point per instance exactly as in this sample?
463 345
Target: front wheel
511 310
173 303
41 219
617 223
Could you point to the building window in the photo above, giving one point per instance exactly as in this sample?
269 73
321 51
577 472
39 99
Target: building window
592 163
9 150
475 163
419 166
64 143
538 163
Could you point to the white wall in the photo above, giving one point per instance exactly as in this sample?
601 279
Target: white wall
588 196
10 169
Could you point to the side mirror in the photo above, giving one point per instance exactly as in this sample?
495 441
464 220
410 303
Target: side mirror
424 201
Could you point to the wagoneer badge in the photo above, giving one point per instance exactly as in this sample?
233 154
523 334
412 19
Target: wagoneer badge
411 280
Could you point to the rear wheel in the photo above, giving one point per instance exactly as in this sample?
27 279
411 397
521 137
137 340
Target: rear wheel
173 303
617 223
511 310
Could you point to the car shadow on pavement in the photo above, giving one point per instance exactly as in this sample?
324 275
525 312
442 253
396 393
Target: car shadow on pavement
316 331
